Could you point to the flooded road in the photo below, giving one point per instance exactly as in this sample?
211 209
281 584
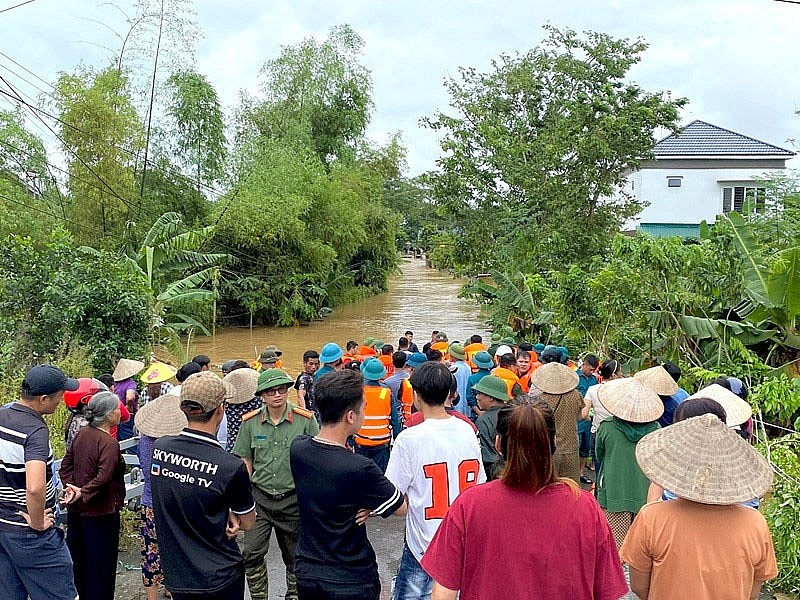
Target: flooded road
419 299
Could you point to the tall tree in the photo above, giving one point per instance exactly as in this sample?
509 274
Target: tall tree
536 150
196 111
100 133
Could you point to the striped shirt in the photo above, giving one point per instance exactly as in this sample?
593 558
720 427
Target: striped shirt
23 438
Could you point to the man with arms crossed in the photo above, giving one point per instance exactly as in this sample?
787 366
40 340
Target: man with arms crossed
431 463
334 559
201 498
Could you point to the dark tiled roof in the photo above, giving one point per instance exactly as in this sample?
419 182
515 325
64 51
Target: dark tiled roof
699 138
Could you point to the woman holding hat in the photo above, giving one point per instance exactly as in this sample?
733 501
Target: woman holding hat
93 472
163 416
704 545
245 381
621 485
125 388
557 384
551 541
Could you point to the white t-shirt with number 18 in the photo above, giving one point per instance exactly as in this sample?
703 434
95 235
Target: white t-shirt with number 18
432 463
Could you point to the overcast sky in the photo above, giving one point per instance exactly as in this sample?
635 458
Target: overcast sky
737 61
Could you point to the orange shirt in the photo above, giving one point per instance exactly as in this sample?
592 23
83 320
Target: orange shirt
700 551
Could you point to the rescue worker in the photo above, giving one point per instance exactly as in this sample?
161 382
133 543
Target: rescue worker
375 435
406 393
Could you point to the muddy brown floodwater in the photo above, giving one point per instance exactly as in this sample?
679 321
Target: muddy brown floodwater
419 299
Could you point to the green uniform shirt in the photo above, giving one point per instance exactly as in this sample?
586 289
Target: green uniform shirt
267 445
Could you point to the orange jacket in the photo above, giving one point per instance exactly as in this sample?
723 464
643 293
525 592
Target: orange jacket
386 361
377 416
366 351
406 400
471 350
441 347
509 377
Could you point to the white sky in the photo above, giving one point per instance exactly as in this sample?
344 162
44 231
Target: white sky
736 60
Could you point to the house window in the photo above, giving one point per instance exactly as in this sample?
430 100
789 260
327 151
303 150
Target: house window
674 181
734 198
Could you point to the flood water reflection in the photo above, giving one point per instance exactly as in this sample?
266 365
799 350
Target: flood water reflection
421 299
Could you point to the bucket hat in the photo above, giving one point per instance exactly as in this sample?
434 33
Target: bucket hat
658 380
377 344
228 365
737 410
441 337
508 340
702 460
160 417
158 372
373 369
127 368
268 357
369 342
274 348
494 387
206 389
331 352
496 337
503 350
555 378
456 350
630 400
245 381
416 359
538 348
483 360
272 378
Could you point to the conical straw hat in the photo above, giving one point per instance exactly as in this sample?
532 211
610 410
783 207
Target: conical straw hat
630 400
127 368
245 381
737 410
554 378
702 460
658 380
162 416
158 372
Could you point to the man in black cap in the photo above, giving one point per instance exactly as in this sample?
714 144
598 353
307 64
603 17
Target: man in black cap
34 559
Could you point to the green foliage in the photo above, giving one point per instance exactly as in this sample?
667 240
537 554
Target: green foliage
537 149
778 398
101 133
782 510
55 298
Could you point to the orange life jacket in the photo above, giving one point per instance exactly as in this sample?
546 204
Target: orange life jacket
525 381
441 347
406 399
471 350
509 377
377 413
386 361
366 351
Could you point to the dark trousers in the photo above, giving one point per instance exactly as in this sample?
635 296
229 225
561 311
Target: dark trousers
233 591
36 565
93 543
379 454
323 590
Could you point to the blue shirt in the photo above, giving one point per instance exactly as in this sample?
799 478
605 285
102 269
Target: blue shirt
462 376
670 404
585 382
473 379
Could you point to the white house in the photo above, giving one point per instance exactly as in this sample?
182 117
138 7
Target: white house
699 173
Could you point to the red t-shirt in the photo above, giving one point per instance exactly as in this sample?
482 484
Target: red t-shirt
417 418
497 542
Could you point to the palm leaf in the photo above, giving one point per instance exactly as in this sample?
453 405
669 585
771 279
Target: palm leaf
755 276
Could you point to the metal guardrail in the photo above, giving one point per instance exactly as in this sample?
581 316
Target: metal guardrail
134 481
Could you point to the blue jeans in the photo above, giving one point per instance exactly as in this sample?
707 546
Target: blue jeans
412 582
35 564
380 454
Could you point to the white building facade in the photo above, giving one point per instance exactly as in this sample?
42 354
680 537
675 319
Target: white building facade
699 173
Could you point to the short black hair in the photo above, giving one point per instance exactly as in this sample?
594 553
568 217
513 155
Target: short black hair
189 368
338 392
399 359
387 349
351 344
527 346
431 381
723 381
107 379
673 369
476 339
434 332
409 332
403 342
202 360
694 407
309 354
239 364
508 360
591 360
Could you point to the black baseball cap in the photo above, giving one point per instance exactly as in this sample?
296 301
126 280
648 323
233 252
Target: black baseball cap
42 380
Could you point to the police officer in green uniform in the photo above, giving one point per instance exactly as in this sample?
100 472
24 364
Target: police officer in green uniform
263 443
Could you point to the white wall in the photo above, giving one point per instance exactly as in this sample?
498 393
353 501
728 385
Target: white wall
699 197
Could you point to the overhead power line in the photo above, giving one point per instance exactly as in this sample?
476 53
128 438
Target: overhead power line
16 6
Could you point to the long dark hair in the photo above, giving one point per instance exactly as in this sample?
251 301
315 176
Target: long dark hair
527 440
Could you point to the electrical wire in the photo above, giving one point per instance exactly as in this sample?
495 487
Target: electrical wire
16 6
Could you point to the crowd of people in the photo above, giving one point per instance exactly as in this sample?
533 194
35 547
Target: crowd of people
521 472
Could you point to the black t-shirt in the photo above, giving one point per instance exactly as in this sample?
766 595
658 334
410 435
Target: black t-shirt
332 485
195 482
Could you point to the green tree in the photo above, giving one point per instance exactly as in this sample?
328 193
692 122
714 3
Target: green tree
195 108
536 149
100 132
